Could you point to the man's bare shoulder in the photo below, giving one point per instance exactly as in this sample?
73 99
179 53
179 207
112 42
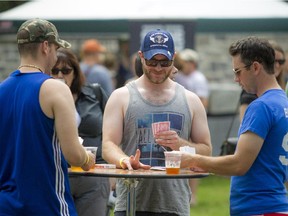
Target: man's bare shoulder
191 95
55 86
120 92
194 101
54 93
119 98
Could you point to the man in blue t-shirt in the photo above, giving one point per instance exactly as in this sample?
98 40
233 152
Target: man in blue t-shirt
259 165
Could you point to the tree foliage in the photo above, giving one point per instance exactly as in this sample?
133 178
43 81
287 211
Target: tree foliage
6 5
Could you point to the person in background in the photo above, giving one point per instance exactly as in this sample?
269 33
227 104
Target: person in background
286 67
157 96
195 81
111 63
279 64
124 72
92 66
90 194
135 67
38 130
259 165
191 78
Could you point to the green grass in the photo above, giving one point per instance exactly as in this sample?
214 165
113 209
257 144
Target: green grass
212 197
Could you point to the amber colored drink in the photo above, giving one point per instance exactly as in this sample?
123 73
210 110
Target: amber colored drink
78 169
91 149
172 170
74 168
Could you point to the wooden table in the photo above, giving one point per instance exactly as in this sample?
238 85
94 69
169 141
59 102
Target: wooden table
131 179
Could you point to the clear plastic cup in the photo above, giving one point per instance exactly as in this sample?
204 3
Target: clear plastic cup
172 162
91 149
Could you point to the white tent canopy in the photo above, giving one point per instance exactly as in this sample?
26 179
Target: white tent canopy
147 9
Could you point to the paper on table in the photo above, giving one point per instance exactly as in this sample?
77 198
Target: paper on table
107 166
160 168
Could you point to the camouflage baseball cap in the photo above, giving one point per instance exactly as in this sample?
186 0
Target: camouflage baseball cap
39 30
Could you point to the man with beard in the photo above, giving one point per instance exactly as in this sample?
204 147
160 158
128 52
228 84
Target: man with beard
128 140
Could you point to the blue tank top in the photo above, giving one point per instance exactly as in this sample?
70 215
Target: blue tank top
33 171
261 189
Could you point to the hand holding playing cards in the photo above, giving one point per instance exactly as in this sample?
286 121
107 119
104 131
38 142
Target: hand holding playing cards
133 163
164 136
168 139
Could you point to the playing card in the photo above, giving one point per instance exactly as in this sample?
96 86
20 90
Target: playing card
154 126
160 126
164 126
188 149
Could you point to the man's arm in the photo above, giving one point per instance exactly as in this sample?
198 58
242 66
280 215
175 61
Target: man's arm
114 115
200 134
57 102
113 125
248 147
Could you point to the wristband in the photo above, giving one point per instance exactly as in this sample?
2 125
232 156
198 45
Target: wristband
121 162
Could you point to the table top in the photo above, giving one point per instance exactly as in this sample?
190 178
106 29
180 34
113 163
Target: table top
120 173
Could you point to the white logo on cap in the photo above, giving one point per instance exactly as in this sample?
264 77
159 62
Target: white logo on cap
159 38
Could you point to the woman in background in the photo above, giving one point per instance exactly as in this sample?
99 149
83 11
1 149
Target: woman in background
90 194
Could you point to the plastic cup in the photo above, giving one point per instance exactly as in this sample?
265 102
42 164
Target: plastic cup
172 162
91 149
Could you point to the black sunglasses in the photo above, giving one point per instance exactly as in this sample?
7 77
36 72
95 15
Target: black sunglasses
280 61
64 71
154 63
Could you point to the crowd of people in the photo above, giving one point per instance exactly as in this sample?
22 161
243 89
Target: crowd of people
56 97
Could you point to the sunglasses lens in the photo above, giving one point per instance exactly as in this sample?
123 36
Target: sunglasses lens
55 71
154 63
280 61
65 71
165 63
150 63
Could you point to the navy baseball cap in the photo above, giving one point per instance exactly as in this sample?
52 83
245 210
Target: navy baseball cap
158 42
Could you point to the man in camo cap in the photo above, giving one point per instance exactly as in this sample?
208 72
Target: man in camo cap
38 37
38 130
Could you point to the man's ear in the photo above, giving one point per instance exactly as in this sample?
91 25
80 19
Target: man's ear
45 47
256 66
140 54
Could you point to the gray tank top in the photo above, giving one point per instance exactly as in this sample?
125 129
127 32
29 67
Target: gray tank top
155 195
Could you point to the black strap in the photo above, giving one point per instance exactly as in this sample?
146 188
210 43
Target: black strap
233 119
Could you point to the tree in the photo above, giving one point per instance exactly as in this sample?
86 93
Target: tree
6 5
